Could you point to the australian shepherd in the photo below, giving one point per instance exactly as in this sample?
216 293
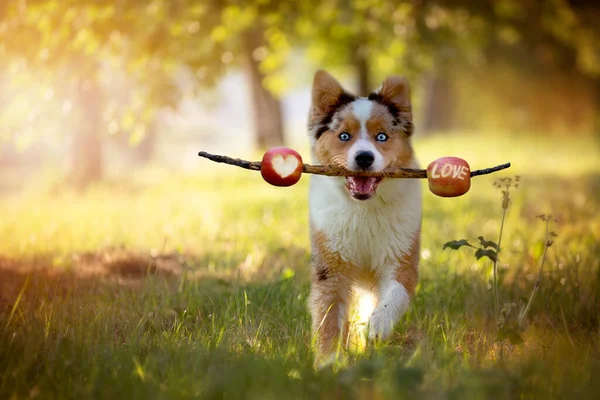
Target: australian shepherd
365 232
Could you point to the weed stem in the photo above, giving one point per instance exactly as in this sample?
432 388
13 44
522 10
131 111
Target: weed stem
495 270
536 286
496 302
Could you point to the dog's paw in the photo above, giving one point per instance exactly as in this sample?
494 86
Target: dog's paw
381 324
393 303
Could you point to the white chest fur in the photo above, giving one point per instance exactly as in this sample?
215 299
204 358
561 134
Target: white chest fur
369 234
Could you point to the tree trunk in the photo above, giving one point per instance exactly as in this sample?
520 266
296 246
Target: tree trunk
438 104
361 63
86 164
596 85
268 120
145 150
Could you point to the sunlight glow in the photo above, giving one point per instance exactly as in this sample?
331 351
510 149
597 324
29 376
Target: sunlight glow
364 303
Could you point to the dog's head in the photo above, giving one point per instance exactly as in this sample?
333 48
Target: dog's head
361 133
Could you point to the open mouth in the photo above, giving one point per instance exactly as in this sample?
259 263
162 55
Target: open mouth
362 187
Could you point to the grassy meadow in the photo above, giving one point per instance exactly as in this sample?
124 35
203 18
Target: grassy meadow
168 285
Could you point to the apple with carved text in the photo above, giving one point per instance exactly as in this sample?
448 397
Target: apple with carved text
281 166
449 177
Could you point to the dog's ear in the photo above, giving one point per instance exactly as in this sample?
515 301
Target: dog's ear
327 93
328 96
395 91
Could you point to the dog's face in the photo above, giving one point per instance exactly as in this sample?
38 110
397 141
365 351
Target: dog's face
361 133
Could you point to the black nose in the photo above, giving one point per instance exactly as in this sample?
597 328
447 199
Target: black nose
364 159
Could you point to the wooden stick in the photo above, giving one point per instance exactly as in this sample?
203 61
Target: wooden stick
340 171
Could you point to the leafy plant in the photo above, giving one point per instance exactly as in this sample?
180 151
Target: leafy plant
509 327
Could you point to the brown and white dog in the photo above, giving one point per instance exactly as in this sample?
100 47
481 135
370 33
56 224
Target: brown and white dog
365 232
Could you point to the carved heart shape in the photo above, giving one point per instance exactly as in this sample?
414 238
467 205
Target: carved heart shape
284 166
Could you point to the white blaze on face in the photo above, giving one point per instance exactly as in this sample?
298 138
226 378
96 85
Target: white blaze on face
284 166
361 109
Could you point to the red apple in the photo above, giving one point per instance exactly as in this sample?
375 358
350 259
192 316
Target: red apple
449 177
281 166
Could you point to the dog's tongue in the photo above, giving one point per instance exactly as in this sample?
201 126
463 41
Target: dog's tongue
365 185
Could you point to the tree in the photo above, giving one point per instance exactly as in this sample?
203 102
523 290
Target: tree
541 36
80 41
255 38
381 37
72 43
268 120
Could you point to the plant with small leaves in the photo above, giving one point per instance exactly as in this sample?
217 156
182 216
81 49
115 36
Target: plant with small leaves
510 323
491 249
487 248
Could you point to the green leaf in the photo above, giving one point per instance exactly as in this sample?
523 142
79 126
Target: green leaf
457 244
491 254
487 243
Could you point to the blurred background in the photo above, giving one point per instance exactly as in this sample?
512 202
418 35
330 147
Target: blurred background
130 265
96 89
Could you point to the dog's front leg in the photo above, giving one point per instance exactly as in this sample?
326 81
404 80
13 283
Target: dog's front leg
395 293
328 303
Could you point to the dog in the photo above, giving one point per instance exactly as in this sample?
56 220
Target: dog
364 231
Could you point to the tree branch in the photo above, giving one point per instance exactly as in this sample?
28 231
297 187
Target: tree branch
331 170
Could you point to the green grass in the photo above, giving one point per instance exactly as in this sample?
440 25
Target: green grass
171 286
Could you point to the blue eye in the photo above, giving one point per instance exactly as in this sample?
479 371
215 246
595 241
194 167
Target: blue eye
344 136
382 137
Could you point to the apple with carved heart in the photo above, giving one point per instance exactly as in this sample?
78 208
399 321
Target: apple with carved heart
281 166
